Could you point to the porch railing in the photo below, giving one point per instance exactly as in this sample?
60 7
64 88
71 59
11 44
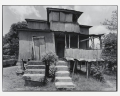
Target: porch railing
83 55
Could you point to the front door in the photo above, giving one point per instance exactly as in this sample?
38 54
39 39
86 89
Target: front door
60 49
38 47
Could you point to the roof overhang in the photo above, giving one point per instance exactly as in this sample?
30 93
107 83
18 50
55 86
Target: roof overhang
36 20
33 30
85 26
63 10
86 35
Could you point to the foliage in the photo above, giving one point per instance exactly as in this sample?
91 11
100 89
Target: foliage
50 57
97 72
109 52
9 62
11 39
110 68
112 24
6 57
50 60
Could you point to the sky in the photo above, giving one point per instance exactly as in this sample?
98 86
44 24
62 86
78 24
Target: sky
92 15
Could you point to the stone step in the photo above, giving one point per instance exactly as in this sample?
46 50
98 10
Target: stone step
62 68
63 79
35 63
34 77
61 63
62 73
64 85
35 71
35 67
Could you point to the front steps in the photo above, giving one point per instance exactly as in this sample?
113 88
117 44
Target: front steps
62 78
34 73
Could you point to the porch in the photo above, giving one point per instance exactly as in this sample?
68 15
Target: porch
74 47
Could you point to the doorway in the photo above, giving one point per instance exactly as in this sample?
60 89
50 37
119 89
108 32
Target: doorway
60 49
38 46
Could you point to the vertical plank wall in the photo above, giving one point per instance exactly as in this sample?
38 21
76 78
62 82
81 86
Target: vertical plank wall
25 43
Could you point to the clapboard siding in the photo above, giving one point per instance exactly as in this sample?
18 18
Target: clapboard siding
84 30
54 16
25 43
38 25
69 17
62 17
68 27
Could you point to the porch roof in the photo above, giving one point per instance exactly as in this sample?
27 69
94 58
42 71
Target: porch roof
73 33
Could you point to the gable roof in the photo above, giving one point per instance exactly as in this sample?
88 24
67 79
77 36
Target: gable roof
64 10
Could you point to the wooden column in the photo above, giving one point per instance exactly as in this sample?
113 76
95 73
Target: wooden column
53 43
87 69
80 65
74 66
68 64
33 48
39 52
100 42
78 41
93 42
65 42
69 40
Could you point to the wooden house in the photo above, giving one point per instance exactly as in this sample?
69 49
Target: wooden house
60 33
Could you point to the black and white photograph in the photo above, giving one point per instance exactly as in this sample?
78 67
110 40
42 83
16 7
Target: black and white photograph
59 48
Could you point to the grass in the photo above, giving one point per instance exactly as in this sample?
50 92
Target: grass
12 82
91 84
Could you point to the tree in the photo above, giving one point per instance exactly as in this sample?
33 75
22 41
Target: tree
109 52
12 39
111 24
110 47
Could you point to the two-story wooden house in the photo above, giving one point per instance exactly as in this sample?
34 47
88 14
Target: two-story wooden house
60 33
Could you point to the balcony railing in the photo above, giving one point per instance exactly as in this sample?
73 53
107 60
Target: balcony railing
83 55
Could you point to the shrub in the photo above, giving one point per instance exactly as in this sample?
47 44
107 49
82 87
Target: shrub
98 74
9 62
50 60
6 57
12 57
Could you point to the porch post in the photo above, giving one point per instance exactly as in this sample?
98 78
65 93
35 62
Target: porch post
100 42
33 47
78 41
80 65
69 40
93 42
87 69
65 42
